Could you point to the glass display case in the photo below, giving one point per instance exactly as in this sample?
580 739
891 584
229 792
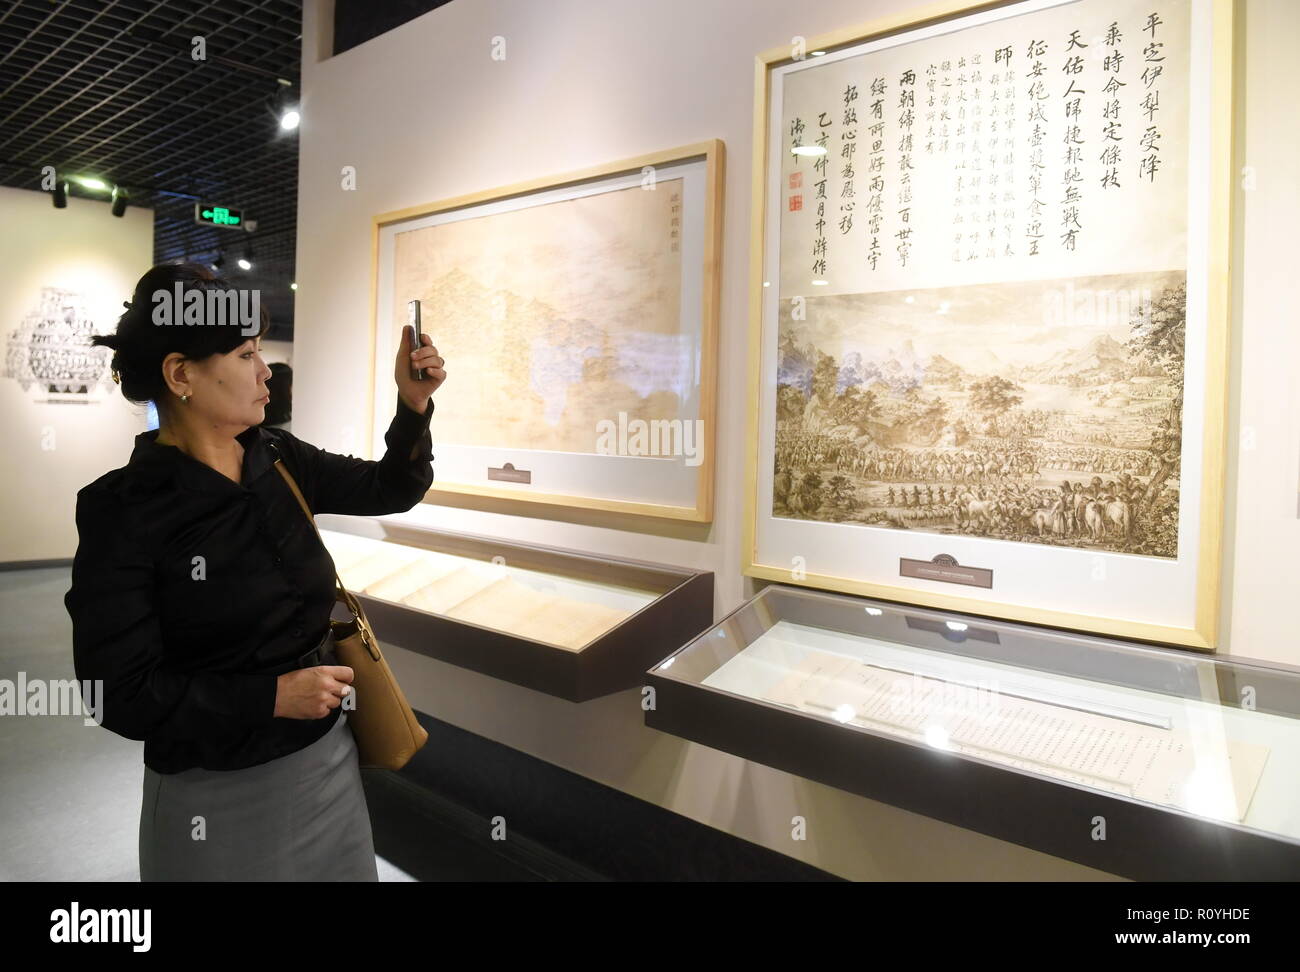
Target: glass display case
1147 762
572 625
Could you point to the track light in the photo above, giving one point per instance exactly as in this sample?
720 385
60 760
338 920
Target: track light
94 184
284 106
246 261
219 262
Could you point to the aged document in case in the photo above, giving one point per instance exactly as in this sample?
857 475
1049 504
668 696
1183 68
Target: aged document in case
409 579
502 605
384 561
1109 753
570 624
346 552
445 593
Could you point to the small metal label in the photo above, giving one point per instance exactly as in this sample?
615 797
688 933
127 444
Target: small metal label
508 473
945 568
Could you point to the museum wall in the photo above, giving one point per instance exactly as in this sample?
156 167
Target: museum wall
583 84
424 113
1263 508
83 263
83 259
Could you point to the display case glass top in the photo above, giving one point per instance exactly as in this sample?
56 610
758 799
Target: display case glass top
563 611
1207 737
569 624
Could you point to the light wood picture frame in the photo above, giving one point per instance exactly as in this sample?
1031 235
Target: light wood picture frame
960 463
578 315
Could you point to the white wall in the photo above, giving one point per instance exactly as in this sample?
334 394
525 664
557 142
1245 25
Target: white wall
1263 529
424 113
52 450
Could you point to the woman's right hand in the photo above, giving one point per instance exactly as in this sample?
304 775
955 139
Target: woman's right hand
310 693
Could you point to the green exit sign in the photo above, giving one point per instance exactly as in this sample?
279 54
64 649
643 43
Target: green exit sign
218 215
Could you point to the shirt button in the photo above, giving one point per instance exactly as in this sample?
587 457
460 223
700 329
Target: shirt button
278 561
297 632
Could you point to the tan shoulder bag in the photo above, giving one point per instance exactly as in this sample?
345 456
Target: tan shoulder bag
386 730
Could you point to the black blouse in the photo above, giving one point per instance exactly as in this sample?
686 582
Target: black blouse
191 593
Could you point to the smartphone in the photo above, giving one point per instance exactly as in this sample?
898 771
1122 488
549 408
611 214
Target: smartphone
413 318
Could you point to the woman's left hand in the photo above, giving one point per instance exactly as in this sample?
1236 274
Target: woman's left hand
414 392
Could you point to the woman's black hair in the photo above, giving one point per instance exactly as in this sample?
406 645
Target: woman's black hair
140 345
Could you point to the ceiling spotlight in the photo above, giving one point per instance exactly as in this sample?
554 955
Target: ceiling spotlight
284 106
90 182
293 286
119 201
219 262
60 195
246 261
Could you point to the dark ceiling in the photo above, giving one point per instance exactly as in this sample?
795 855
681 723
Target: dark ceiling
109 88
357 21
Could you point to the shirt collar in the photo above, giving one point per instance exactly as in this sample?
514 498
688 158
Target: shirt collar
152 463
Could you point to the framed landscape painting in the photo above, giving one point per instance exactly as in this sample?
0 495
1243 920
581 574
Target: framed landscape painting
578 318
989 312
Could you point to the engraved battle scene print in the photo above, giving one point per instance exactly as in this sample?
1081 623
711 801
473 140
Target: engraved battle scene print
1045 412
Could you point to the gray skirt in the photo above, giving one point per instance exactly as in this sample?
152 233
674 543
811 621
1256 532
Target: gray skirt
301 817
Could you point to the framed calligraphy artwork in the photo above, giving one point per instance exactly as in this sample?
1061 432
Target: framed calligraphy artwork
989 312
578 318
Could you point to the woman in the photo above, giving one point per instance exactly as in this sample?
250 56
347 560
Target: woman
201 597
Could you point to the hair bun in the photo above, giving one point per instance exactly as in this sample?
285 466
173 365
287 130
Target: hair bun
140 346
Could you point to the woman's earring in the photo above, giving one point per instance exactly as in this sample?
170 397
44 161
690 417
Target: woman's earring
185 399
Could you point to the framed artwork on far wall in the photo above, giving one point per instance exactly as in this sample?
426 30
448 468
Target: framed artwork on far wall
989 312
578 317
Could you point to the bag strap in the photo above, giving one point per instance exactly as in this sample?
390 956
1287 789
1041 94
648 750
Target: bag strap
342 594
